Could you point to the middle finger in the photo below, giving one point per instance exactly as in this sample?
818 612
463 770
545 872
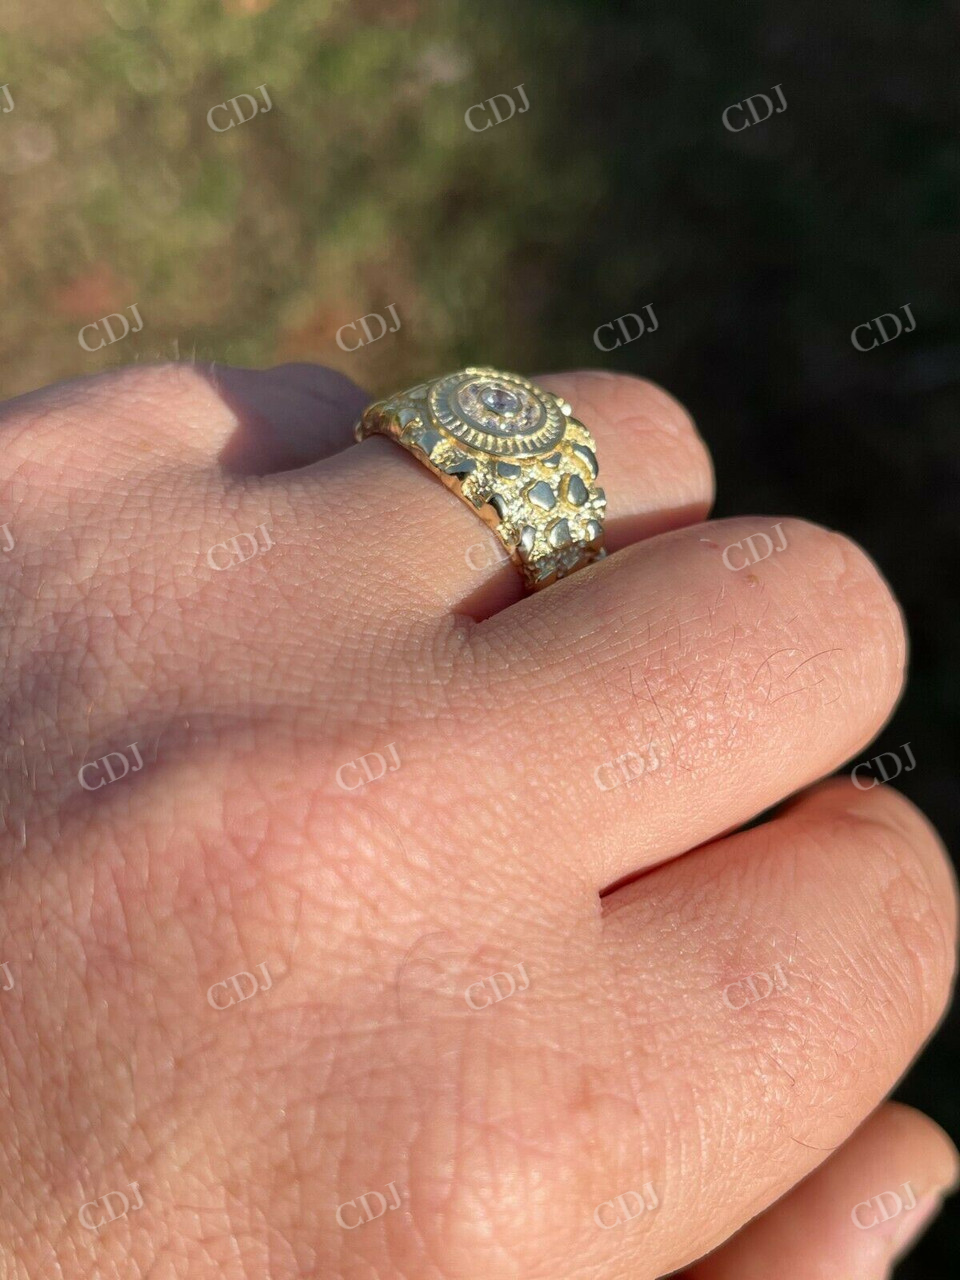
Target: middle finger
418 546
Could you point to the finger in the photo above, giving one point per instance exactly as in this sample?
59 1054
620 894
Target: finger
834 1225
432 550
657 472
771 988
288 416
657 699
127 420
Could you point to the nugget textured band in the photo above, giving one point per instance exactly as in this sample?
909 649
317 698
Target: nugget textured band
515 454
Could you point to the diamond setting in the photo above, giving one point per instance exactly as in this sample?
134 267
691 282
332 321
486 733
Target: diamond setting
499 408
497 413
498 398
515 454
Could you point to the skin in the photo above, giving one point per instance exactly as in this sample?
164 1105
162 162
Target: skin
372 1055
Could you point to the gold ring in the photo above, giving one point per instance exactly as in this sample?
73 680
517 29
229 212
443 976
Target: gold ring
515 454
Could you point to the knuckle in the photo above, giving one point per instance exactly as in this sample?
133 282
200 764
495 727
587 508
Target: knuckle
69 432
844 571
885 955
157 382
627 401
908 874
841 598
663 409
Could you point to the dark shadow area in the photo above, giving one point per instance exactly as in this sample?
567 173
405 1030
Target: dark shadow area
287 417
761 250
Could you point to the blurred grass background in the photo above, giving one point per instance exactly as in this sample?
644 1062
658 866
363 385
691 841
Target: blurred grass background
619 188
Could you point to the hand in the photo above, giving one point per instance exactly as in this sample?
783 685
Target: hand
265 1021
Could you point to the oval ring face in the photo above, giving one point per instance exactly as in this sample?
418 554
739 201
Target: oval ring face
498 413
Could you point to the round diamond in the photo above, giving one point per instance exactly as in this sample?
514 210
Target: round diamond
500 400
